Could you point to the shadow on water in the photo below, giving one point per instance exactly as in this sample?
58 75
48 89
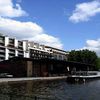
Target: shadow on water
49 90
28 90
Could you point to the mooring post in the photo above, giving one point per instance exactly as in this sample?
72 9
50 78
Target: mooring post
84 80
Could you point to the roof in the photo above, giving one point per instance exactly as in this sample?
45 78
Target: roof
55 48
48 60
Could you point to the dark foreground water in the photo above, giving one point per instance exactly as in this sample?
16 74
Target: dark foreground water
50 90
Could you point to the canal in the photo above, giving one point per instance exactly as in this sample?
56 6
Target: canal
49 90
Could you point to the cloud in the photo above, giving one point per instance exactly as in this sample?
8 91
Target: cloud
28 30
8 9
23 30
47 40
93 45
84 11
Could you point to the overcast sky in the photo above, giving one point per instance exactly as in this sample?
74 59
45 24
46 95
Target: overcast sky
65 24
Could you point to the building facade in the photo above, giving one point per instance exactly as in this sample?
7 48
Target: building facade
29 67
11 47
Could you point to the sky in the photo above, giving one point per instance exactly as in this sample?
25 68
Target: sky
63 24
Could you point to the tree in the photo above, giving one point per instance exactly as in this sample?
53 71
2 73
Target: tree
98 63
83 56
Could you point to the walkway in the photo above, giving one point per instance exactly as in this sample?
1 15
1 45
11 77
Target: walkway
87 76
32 78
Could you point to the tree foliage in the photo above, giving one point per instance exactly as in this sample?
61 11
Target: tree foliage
83 56
98 63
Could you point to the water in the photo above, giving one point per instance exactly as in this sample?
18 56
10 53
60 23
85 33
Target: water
49 90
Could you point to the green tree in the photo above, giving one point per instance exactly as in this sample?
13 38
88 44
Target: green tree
98 63
83 56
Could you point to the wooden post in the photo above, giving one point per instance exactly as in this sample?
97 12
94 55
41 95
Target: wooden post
29 69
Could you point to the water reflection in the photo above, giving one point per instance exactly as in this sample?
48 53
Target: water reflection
29 89
49 90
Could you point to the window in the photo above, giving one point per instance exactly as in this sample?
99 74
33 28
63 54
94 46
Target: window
11 41
1 39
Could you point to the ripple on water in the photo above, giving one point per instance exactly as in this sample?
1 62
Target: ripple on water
56 90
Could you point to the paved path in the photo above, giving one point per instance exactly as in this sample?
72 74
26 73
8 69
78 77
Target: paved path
31 78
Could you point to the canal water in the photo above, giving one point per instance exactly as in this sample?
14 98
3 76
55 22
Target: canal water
50 90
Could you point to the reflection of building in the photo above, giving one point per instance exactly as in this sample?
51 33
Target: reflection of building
11 47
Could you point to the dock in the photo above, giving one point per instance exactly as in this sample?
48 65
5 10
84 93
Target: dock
83 76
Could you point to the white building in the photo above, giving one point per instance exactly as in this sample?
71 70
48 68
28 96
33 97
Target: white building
11 47
57 53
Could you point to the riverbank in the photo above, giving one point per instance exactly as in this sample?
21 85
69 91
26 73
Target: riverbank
32 79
